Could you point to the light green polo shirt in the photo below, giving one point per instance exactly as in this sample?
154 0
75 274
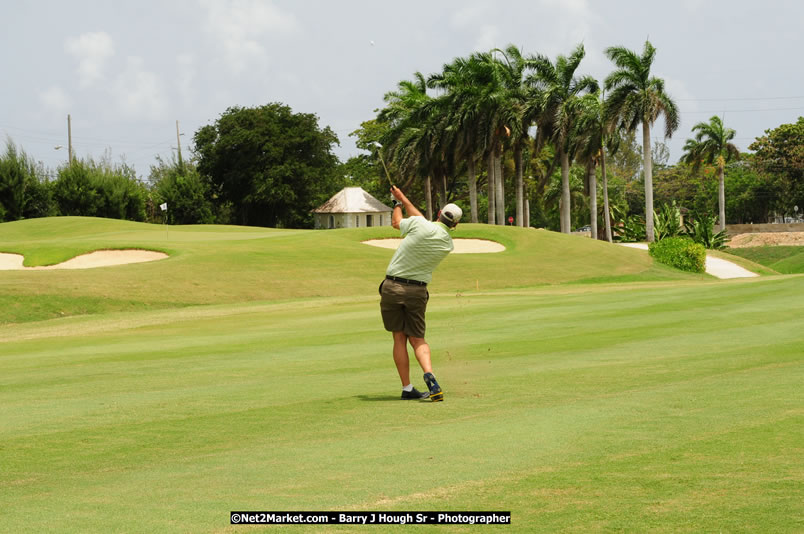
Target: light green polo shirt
423 246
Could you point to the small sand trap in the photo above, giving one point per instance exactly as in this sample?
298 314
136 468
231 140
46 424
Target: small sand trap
99 258
462 246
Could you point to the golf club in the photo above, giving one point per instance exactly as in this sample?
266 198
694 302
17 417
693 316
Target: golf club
379 153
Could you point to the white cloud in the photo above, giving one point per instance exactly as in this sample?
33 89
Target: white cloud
678 91
185 82
139 93
92 50
240 26
574 7
469 15
693 6
55 99
488 38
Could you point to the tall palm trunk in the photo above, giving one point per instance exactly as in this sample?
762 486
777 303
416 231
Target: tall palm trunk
606 212
527 212
648 165
500 183
492 188
566 221
442 190
722 195
428 197
593 198
472 189
519 185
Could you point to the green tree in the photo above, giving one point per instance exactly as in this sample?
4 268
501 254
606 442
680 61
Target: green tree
361 171
99 189
412 134
483 108
38 196
596 137
74 190
468 85
694 191
712 145
751 195
17 172
526 103
637 98
366 170
553 192
561 109
180 185
271 165
780 153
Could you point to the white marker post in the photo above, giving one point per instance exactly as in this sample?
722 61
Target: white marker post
163 207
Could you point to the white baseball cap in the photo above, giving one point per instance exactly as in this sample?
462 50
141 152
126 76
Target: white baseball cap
451 213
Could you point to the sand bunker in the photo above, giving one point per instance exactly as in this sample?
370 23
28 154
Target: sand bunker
462 246
99 258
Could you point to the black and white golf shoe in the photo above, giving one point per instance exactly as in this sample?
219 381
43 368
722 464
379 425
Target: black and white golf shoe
414 395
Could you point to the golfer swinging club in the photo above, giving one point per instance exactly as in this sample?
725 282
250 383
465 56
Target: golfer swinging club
404 290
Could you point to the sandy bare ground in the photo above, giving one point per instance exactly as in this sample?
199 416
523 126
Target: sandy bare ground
462 246
767 238
715 266
99 258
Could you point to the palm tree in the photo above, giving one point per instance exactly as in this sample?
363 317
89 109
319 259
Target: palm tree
411 133
591 138
712 145
466 101
524 109
597 138
561 91
637 98
497 115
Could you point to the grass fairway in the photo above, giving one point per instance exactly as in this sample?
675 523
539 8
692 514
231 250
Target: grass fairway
661 402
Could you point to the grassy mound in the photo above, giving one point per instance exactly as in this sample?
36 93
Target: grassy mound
783 259
226 264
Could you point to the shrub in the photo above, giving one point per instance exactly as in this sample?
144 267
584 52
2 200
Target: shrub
99 190
17 171
667 221
73 190
627 228
186 194
679 252
701 230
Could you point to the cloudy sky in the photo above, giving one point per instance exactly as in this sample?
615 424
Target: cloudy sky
127 71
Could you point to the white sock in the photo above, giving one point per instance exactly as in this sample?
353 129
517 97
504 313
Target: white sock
408 388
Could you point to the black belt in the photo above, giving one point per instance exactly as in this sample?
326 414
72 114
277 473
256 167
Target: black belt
405 280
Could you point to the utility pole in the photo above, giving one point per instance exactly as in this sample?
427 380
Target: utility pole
178 145
69 140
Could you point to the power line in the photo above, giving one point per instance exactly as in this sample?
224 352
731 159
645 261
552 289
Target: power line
47 136
744 110
739 99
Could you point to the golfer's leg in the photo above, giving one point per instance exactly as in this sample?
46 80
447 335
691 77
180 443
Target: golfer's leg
401 357
422 351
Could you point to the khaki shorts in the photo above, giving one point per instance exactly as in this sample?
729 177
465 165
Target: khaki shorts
403 307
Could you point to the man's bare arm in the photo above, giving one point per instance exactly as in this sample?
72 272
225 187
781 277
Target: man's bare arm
410 209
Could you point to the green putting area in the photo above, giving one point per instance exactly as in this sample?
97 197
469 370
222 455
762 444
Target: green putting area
587 389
